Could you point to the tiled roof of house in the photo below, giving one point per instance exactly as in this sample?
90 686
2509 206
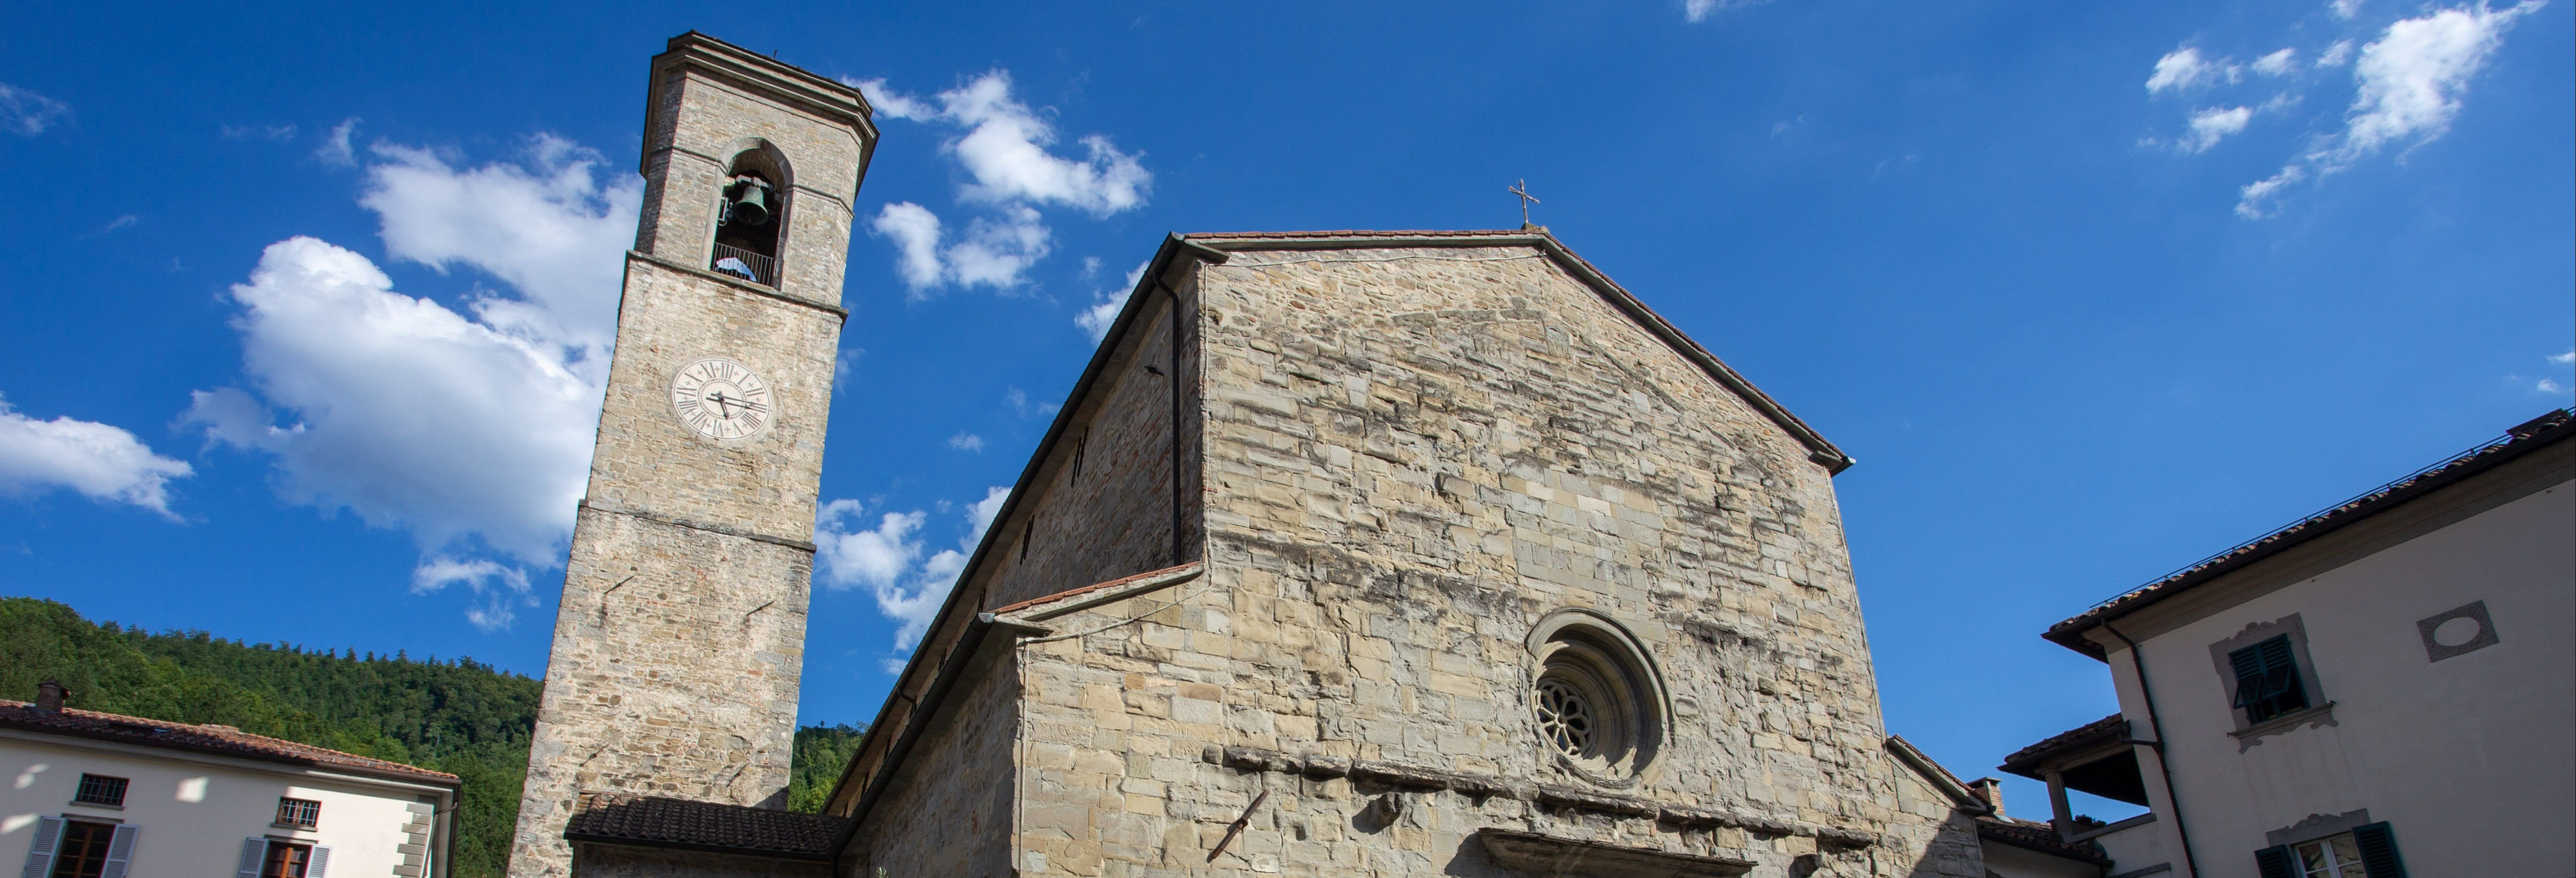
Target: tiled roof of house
214 740
2036 836
2530 436
654 821
2108 729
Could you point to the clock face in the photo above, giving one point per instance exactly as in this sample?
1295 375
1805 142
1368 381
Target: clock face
722 400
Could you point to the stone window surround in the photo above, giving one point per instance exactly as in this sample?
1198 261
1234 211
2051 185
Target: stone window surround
2317 826
2477 609
1612 640
2319 712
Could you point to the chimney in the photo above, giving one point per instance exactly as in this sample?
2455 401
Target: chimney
50 696
1992 791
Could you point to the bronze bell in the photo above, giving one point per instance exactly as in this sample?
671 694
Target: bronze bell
750 204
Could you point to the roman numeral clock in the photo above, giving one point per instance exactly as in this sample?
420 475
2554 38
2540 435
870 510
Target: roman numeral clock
723 400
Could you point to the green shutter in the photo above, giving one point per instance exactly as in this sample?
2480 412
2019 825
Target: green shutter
2248 663
2379 851
2280 672
2276 862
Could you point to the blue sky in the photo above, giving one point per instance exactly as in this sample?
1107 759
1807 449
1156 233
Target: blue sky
305 306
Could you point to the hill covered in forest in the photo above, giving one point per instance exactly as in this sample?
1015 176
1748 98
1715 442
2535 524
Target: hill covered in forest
455 715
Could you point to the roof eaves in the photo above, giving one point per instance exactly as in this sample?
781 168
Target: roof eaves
1941 779
2528 437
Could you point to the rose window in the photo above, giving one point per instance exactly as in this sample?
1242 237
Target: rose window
1598 703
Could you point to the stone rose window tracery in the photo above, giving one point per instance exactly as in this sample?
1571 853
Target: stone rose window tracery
1597 702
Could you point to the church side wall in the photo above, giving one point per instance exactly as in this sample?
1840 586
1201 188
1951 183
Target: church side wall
611 861
1102 507
947 814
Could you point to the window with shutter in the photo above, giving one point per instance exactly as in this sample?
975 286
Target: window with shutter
120 852
286 860
319 864
40 851
83 850
254 851
2274 862
2378 847
2267 679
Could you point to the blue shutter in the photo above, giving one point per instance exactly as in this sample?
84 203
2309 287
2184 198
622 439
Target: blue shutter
120 851
254 851
2277 862
2379 851
40 852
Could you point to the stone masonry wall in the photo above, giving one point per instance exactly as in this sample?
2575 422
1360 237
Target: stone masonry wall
948 811
679 640
707 122
1412 455
1109 514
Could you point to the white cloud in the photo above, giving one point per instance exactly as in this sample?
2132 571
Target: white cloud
2277 63
2343 9
2335 55
466 429
122 221
995 251
1696 11
103 463
2412 78
965 441
27 113
2213 124
2563 359
2547 386
335 148
1003 148
888 559
548 227
2184 69
2254 201
496 587
260 132
2409 87
1106 304
409 414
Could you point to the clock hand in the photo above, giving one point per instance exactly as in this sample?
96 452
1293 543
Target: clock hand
722 404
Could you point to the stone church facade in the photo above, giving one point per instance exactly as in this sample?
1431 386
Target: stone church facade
1381 553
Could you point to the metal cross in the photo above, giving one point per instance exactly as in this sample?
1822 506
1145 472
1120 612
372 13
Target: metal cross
1527 199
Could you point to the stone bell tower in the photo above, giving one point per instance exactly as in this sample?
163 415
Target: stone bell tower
681 633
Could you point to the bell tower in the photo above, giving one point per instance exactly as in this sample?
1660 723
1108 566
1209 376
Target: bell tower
680 637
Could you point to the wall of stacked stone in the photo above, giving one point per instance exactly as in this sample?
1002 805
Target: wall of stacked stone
1101 507
1123 775
705 124
947 812
674 673
1941 840
646 459
1419 452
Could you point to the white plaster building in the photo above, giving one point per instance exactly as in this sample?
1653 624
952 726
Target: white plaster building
2383 689
85 794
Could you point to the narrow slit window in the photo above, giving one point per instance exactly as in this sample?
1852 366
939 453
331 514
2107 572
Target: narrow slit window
98 789
1080 447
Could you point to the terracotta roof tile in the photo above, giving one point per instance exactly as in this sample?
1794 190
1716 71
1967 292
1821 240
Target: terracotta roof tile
2529 436
215 740
654 821
2105 730
2036 836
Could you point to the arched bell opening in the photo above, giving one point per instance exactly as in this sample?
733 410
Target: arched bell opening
751 216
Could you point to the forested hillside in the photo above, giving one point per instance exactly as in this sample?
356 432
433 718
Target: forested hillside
456 716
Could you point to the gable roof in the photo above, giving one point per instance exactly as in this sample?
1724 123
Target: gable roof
1818 448
211 740
2532 435
956 631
